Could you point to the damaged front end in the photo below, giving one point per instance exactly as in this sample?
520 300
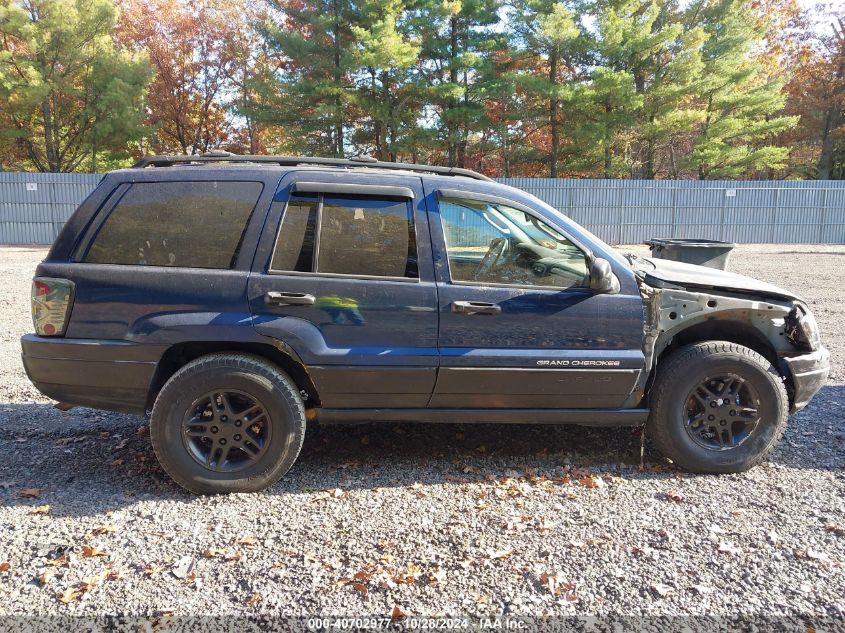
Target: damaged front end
762 317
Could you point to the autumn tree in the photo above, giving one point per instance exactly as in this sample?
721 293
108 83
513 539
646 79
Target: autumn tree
68 96
194 53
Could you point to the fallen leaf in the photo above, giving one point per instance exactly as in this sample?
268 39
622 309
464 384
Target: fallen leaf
437 576
118 462
99 531
360 588
816 555
90 582
55 562
69 595
46 576
40 510
397 614
212 552
335 494
727 547
247 540
552 580
662 590
150 569
835 528
674 495
182 567
592 481
5 566
499 554
254 600
31 493
88 551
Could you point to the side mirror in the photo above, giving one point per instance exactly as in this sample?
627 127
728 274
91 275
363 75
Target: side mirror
602 278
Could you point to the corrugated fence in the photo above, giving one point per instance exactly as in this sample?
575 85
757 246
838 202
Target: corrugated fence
630 211
33 207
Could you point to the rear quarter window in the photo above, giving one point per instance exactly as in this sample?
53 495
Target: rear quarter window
192 224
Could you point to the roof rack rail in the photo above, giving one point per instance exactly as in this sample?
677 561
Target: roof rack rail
294 161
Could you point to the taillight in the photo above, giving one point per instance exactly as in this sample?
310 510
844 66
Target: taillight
51 301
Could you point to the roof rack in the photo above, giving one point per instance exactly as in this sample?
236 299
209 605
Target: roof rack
294 161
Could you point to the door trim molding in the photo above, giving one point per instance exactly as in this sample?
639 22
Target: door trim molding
583 417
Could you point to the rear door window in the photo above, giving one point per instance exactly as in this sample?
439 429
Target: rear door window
356 235
193 224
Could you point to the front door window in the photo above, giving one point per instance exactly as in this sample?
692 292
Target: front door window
496 244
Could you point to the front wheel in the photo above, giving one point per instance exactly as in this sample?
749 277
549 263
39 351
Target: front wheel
717 407
227 423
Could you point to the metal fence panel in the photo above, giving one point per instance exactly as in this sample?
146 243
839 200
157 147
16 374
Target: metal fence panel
33 207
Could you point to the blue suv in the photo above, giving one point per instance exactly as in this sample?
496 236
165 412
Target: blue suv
239 298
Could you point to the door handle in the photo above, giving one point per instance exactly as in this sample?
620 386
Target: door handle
475 307
274 298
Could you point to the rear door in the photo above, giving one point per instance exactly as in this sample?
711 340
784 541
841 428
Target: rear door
519 325
343 275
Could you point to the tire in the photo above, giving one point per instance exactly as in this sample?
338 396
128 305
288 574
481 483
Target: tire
706 433
196 418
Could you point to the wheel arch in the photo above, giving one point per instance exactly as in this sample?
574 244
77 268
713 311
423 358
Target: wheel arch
730 330
179 354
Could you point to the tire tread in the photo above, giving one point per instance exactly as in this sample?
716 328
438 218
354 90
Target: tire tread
661 391
244 362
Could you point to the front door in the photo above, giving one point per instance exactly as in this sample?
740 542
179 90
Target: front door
344 276
519 325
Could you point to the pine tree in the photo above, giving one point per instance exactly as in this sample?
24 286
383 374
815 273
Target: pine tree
384 57
646 42
308 92
742 104
549 36
68 95
458 42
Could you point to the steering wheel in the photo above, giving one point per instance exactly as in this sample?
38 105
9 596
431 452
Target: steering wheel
497 247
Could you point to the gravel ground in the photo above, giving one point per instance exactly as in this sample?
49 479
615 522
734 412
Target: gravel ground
425 519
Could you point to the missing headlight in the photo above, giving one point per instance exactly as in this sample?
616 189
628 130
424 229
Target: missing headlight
802 329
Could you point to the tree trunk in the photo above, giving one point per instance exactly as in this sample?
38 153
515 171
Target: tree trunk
51 149
554 105
453 79
387 124
832 121
608 155
338 102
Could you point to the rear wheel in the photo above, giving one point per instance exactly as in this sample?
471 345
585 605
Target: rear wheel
717 407
227 423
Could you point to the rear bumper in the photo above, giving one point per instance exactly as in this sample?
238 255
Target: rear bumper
809 373
103 374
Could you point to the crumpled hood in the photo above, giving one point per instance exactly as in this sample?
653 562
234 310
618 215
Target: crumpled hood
689 275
